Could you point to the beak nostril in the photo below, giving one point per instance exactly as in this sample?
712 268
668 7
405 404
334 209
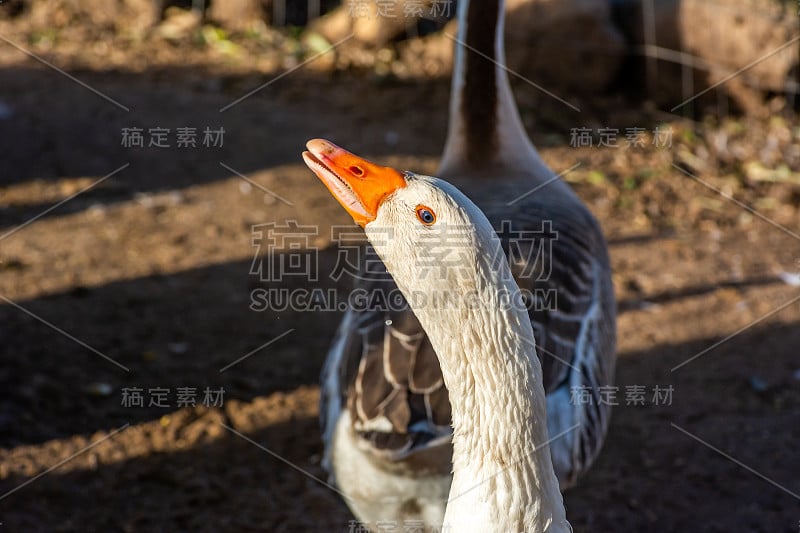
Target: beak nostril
356 170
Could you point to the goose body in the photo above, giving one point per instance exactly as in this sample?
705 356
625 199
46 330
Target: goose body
476 321
386 400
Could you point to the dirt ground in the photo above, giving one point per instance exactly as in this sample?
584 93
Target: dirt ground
144 280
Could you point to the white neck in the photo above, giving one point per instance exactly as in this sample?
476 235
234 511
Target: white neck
497 139
503 477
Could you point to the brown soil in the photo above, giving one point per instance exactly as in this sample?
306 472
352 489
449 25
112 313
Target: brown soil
151 268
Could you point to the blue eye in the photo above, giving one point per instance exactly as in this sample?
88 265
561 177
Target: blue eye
426 215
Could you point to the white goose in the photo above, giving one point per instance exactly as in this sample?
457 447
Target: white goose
473 313
386 415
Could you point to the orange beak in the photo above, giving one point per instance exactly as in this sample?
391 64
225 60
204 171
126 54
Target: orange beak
359 185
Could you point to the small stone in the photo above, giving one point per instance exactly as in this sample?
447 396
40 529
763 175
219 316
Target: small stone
178 347
758 384
6 111
790 278
391 137
99 389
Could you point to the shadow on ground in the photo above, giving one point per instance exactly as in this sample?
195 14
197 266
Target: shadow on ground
651 476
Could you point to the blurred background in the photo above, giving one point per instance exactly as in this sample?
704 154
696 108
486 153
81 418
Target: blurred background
152 192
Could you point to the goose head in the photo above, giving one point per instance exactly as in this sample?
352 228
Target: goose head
428 233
